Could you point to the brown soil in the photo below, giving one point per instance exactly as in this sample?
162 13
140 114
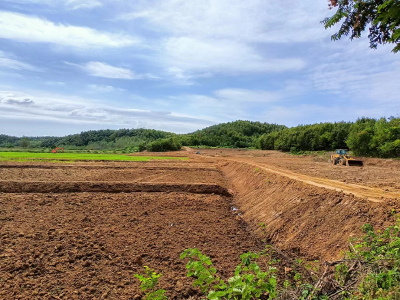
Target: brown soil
89 246
309 221
107 187
378 178
82 230
72 173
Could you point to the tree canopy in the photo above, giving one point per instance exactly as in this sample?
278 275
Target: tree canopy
238 134
382 17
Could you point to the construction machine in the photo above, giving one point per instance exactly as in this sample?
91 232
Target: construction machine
342 158
56 150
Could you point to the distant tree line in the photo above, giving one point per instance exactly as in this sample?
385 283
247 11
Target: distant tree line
129 139
323 136
365 137
378 138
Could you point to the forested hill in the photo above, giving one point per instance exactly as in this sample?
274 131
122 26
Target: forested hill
240 134
365 137
234 134
93 139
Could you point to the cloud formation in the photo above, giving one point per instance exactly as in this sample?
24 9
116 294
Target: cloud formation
31 29
100 69
198 57
46 108
67 4
252 21
8 62
103 88
83 4
182 65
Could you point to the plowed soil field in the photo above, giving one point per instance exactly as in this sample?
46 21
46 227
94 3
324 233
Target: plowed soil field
150 174
82 230
90 245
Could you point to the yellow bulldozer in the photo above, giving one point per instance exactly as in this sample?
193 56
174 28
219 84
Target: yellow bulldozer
342 158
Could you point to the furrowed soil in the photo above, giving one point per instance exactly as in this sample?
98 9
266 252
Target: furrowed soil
82 230
172 175
89 246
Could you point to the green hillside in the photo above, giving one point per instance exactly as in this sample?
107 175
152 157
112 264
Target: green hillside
365 137
239 134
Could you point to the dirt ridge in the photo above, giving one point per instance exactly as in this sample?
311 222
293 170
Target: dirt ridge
108 187
362 191
308 220
112 167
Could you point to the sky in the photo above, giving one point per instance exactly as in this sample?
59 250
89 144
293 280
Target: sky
68 66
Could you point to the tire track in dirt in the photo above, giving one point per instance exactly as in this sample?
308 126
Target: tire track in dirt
361 191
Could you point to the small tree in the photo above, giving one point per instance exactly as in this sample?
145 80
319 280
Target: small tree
25 142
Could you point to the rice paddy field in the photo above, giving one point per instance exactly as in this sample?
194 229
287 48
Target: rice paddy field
27 156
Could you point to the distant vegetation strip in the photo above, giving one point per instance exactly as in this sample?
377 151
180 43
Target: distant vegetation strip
25 156
365 137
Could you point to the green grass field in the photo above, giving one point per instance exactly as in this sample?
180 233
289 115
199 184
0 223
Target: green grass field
26 156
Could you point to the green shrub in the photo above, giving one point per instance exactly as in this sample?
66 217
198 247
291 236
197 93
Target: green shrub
170 144
375 262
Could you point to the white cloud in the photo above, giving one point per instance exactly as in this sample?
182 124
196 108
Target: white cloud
232 103
246 21
83 4
7 61
358 74
55 83
31 29
99 69
198 57
68 4
244 95
74 110
230 37
103 88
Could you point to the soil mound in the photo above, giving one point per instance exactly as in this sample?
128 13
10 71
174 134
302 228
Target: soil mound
108 187
301 218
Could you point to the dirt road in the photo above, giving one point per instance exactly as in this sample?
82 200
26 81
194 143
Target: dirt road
361 191
378 178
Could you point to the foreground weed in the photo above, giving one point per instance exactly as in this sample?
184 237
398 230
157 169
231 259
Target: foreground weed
374 263
148 284
249 282
369 270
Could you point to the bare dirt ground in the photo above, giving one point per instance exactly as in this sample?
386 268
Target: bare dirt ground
172 175
378 178
89 246
301 218
82 230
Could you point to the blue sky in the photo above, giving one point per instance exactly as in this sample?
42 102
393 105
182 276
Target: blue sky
178 65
